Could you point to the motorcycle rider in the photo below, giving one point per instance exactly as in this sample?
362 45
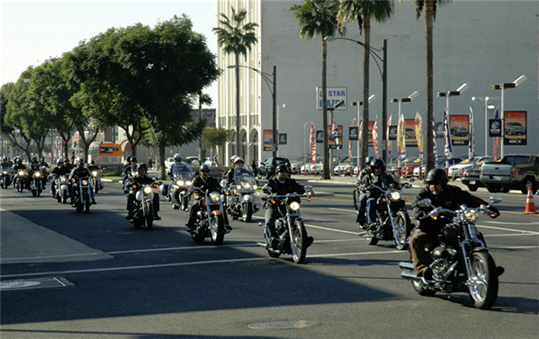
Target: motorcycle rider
362 198
141 179
93 167
34 166
441 195
377 177
238 169
223 167
16 168
81 172
206 183
280 184
178 167
57 172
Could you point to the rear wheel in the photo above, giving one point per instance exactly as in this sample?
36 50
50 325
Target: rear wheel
402 230
529 182
247 213
217 229
494 189
483 284
298 241
472 188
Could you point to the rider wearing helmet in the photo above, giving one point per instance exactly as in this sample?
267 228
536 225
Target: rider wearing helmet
441 195
206 183
178 167
280 184
34 166
56 172
141 179
377 177
95 168
223 167
81 172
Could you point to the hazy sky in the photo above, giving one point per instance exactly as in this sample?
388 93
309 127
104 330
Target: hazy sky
33 32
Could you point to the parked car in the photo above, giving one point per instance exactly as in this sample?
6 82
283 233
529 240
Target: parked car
515 171
458 169
267 167
470 177
408 168
439 164
169 162
345 167
515 128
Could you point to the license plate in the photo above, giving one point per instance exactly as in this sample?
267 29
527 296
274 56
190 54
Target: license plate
472 182
497 177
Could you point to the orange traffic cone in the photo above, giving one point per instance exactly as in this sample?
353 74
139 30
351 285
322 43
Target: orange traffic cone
530 205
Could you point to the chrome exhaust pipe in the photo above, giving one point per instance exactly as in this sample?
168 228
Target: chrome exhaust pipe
410 276
406 266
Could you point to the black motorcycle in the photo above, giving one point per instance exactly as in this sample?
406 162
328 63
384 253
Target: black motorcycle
461 262
291 232
61 188
5 177
392 221
210 218
37 182
81 193
20 180
143 212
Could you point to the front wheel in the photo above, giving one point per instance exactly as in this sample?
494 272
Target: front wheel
217 228
149 217
472 188
247 213
402 230
298 241
483 284
64 197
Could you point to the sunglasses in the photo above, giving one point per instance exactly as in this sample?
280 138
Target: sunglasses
434 183
205 171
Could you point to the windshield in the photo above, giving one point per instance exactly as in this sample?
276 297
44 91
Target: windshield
182 171
244 176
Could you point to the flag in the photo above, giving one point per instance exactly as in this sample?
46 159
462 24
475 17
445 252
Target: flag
496 139
360 133
387 135
375 138
312 143
350 154
419 135
401 147
471 146
448 150
335 133
434 146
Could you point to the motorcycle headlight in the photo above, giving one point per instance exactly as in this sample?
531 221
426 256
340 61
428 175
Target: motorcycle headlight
180 182
94 173
294 206
247 186
215 196
37 174
147 190
21 173
471 215
84 182
238 187
5 172
188 183
395 196
63 179
255 187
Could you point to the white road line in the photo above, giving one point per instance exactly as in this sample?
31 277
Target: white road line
3 261
508 229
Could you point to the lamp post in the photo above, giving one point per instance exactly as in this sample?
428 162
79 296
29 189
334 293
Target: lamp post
487 107
399 101
383 74
501 87
358 104
272 84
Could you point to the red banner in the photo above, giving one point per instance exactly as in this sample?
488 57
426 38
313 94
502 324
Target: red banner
312 143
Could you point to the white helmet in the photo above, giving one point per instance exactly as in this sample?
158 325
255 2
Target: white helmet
177 158
238 159
233 159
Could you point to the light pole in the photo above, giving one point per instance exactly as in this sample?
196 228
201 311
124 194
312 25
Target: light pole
487 107
501 87
399 101
383 74
358 104
272 84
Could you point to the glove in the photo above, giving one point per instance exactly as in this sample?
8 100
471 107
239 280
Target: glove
495 212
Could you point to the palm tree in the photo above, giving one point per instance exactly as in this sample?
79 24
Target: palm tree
319 17
363 11
236 38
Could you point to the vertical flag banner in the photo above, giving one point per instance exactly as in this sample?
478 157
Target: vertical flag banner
312 143
375 138
496 139
471 146
388 141
360 133
434 146
401 148
448 150
335 134
350 154
419 135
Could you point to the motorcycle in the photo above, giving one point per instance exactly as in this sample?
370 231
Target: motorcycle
143 212
392 221
461 263
5 180
128 181
96 182
242 197
20 180
37 182
81 196
291 232
61 189
177 192
210 218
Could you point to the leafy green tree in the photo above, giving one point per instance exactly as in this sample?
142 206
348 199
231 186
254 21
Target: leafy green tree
319 17
214 137
5 128
364 11
236 38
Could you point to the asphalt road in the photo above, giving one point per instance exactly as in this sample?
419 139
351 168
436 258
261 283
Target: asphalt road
69 275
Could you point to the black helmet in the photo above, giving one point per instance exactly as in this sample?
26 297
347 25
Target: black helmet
205 167
436 175
142 167
377 163
369 159
34 159
281 168
133 160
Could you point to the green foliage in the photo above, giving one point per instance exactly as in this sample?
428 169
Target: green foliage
234 36
215 137
316 17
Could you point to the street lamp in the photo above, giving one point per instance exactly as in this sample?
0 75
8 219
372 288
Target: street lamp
399 101
272 84
383 74
487 107
358 104
503 86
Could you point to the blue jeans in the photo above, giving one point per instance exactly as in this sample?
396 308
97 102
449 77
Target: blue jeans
270 217
361 204
371 210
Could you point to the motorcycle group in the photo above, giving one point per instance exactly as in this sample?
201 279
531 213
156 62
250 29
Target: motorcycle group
447 252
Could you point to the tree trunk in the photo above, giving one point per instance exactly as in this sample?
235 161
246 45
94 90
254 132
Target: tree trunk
325 108
366 64
429 15
161 160
238 105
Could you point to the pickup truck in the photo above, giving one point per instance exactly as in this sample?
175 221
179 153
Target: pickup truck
512 172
